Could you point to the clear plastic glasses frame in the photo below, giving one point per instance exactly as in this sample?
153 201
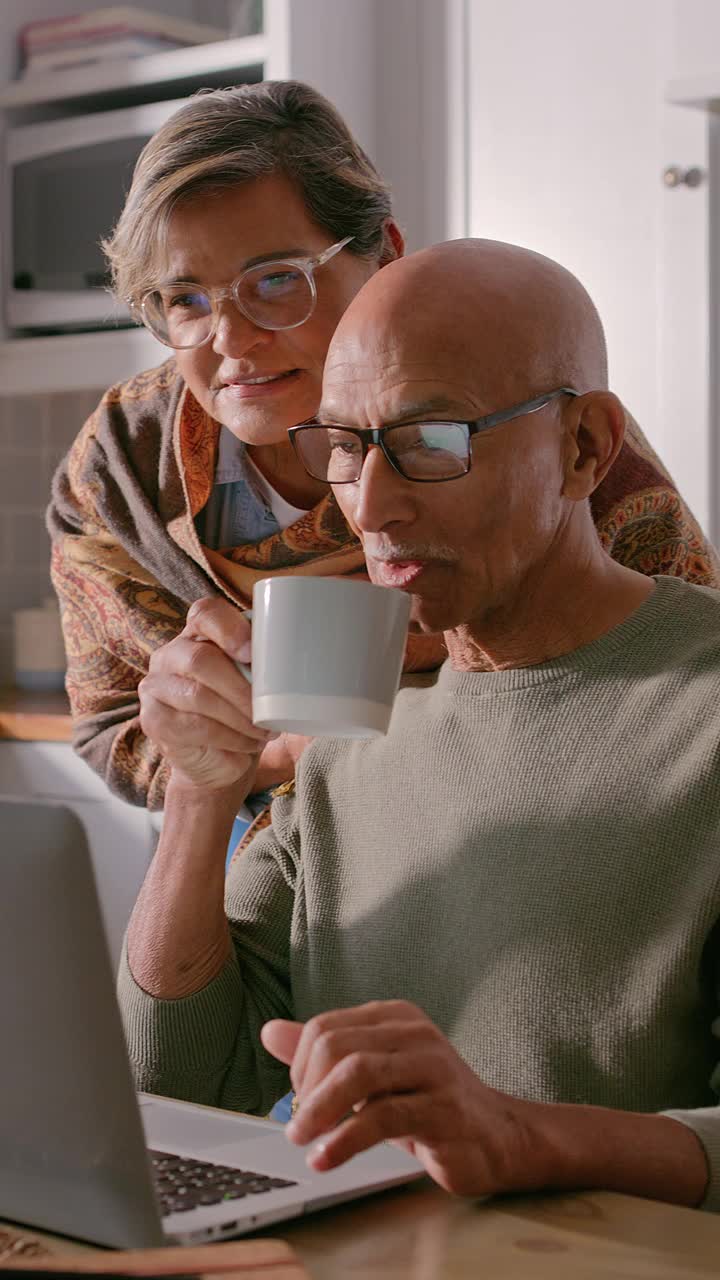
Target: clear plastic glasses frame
306 266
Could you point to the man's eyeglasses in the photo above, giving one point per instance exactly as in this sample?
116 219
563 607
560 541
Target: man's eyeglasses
274 295
422 451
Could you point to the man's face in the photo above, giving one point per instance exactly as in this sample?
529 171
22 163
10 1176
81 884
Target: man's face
465 547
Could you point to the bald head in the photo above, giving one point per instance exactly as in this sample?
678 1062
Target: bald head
448 336
508 322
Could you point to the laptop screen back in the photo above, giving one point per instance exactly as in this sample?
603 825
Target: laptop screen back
72 1152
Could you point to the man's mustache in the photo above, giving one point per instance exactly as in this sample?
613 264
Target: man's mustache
389 551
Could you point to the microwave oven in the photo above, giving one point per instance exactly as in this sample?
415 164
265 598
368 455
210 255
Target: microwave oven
66 185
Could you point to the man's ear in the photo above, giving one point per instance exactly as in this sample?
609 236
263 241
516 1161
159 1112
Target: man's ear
393 243
595 430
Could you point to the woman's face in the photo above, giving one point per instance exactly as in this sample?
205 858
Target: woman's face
210 241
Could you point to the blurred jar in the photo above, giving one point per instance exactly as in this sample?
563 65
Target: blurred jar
38 648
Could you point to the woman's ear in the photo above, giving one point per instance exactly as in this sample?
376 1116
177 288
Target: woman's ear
393 243
595 430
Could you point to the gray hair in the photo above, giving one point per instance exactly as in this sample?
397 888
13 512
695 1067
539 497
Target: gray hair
223 137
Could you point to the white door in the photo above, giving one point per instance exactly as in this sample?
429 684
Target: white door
684 288
568 138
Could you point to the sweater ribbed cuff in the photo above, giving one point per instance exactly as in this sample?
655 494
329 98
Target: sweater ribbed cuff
151 1024
705 1124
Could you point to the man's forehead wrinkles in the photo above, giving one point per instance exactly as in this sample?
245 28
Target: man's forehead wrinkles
366 367
358 390
388 375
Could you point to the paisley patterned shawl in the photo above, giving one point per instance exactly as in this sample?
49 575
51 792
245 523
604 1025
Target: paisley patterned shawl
127 562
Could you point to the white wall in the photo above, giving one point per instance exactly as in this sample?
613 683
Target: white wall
419 145
569 137
565 157
683 351
690 428
330 44
696 37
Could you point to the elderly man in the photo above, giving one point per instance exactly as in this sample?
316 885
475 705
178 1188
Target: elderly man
508 960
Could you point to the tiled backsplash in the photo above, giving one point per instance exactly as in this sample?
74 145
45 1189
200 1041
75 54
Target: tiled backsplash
35 433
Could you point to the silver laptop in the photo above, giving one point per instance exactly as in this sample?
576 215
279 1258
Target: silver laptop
80 1152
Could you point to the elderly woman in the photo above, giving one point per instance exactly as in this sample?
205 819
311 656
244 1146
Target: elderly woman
252 220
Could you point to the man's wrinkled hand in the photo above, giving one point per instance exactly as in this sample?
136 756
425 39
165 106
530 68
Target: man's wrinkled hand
196 705
384 1071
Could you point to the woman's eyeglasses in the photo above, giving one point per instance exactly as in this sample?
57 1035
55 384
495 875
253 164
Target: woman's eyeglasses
422 451
273 295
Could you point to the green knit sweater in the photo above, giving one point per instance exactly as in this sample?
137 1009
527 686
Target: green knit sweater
532 856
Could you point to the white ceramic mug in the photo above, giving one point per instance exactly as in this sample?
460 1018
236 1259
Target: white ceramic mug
327 655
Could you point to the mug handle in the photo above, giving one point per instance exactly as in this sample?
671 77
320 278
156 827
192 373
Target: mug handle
242 666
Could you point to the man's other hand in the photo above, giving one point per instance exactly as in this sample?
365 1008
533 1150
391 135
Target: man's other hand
384 1071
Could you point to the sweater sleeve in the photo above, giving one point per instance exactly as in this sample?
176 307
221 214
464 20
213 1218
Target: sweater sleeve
705 1121
206 1048
705 1124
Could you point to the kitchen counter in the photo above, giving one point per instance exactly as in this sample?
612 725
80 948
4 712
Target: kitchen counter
34 717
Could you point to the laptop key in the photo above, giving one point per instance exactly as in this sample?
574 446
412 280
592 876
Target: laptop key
183 1183
177 1206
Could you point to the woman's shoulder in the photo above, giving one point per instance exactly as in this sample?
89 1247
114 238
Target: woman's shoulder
133 418
116 456
149 394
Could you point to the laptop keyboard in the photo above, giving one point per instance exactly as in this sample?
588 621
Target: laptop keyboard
183 1183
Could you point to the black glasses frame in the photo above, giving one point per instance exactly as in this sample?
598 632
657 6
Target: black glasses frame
376 435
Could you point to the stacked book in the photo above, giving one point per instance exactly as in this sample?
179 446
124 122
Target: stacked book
120 31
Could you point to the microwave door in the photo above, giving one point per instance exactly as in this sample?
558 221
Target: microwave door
64 310
68 189
62 206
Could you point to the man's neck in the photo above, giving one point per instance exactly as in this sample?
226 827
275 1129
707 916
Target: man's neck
544 618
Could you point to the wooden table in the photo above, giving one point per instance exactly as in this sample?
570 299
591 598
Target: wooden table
34 717
419 1233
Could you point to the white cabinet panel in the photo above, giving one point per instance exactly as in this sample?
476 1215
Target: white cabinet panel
49 769
122 838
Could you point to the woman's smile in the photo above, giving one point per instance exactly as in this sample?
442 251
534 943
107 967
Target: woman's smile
261 386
